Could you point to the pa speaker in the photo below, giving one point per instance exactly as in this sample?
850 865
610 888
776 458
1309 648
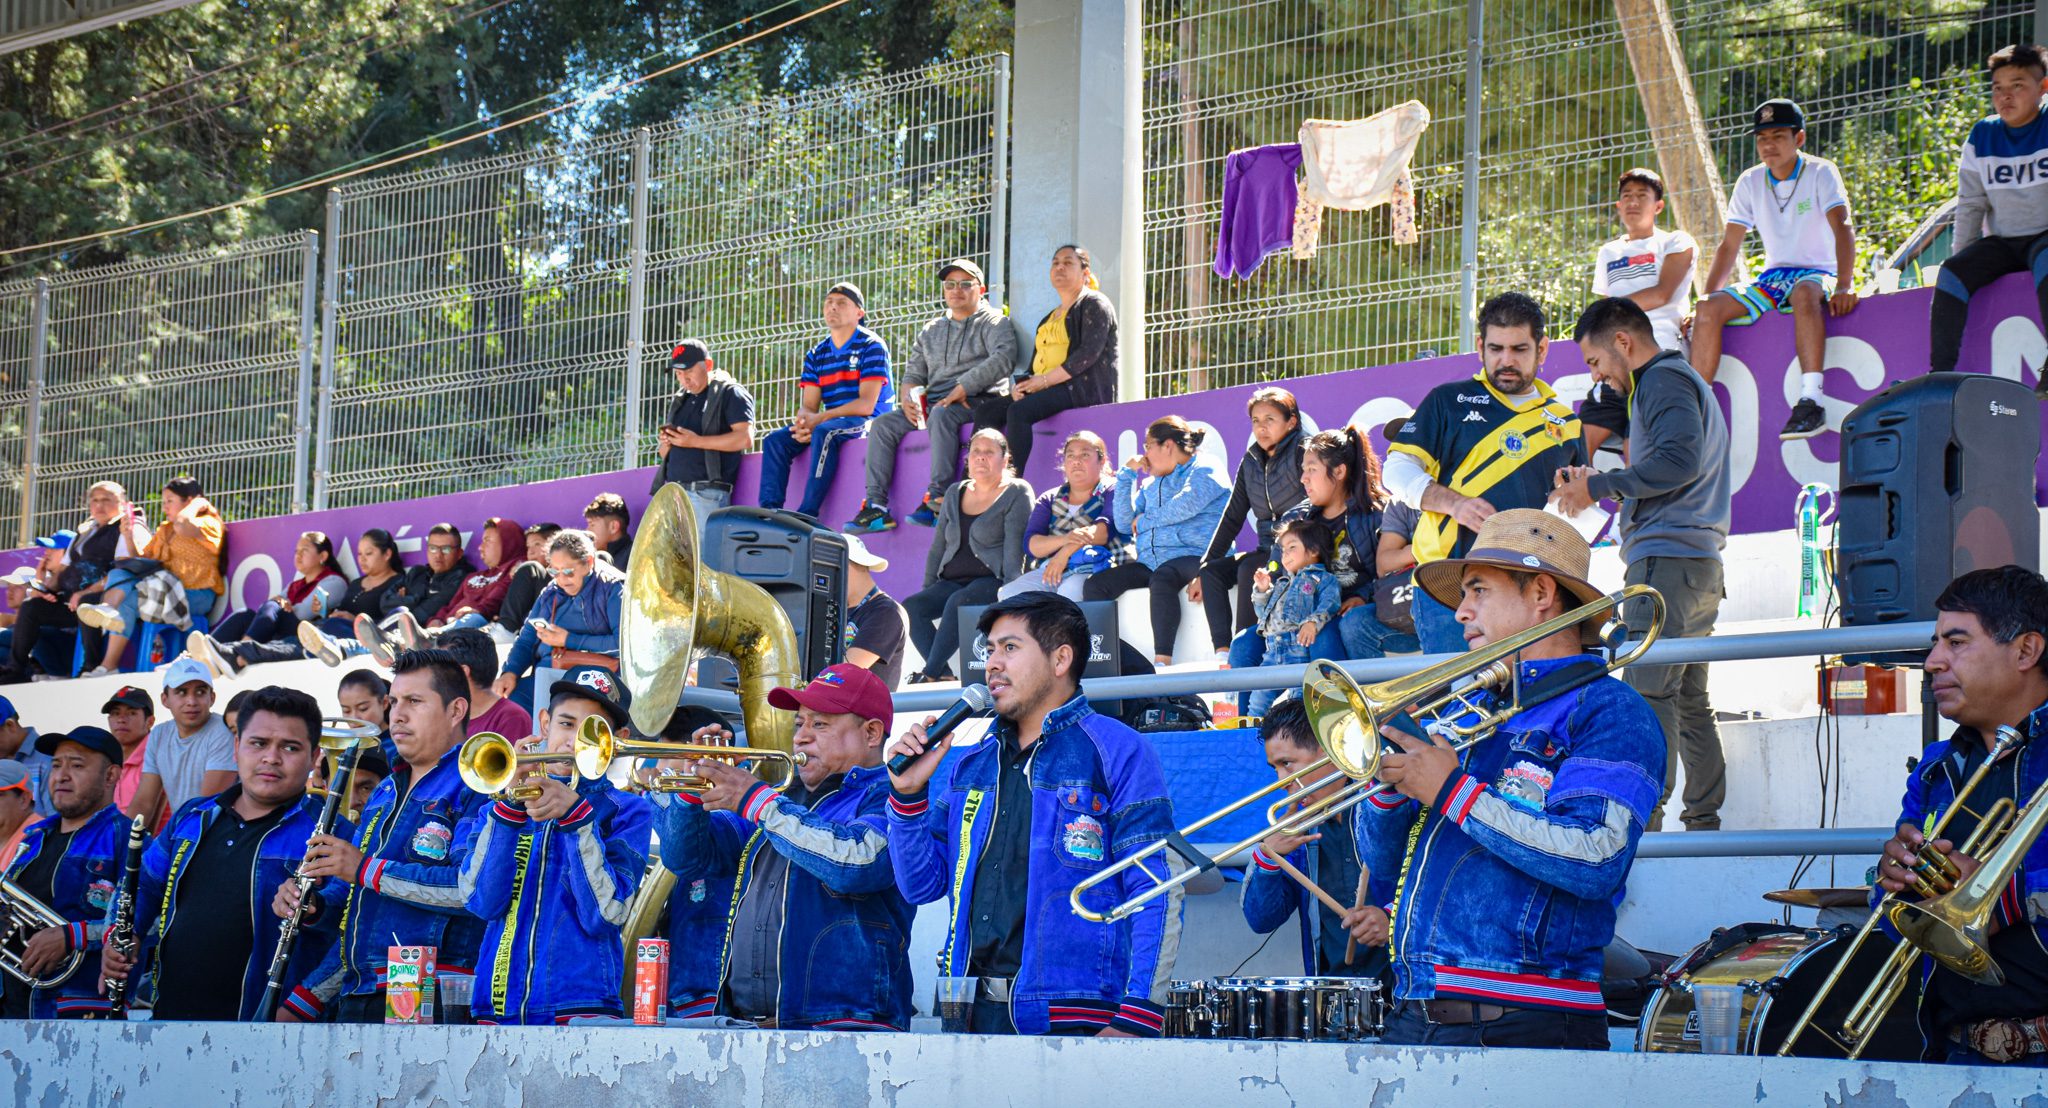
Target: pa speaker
802 565
1937 479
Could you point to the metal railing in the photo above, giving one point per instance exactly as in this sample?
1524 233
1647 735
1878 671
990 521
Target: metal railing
1536 109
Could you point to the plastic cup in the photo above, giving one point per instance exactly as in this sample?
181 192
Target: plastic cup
456 989
955 1003
1720 1012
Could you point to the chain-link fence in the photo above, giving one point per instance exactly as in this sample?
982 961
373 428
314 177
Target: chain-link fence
191 364
509 320
1889 91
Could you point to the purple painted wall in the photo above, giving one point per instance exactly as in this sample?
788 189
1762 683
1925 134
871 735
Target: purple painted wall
1883 341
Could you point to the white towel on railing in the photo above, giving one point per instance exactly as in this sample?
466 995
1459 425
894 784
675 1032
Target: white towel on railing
1355 165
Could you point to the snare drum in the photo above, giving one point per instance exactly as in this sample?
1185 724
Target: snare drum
1190 1010
1300 1009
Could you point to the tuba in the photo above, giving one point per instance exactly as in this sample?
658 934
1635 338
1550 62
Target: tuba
675 607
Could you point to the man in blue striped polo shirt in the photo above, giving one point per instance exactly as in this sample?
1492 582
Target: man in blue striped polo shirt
845 384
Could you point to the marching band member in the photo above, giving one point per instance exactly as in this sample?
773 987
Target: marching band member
1328 856
396 883
210 956
697 907
1987 671
1055 794
71 863
554 875
1511 854
817 935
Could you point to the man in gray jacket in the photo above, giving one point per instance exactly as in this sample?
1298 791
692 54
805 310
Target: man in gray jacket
1674 522
959 373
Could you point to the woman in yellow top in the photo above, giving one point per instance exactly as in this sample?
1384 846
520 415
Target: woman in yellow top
190 544
1073 361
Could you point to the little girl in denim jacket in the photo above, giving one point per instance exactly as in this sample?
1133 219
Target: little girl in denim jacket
1305 600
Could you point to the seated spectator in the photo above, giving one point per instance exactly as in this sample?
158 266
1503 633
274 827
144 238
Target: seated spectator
874 621
1795 202
131 714
364 694
1268 486
421 590
607 519
710 425
190 546
959 372
1293 610
488 711
17 810
1072 534
1168 500
232 714
1649 266
36 764
501 545
2001 218
39 598
1073 360
979 545
269 633
528 579
845 383
333 638
190 755
574 624
1395 561
114 531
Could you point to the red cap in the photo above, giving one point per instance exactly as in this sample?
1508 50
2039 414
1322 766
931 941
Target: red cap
842 688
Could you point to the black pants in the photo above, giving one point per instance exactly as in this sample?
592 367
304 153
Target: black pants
269 623
1217 578
1165 583
934 613
359 1009
1531 1027
1969 270
36 614
1025 414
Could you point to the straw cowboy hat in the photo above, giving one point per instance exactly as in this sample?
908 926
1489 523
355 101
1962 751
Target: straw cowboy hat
1524 540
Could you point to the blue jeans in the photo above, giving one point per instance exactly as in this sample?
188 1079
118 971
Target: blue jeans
273 622
1436 625
198 601
1248 650
1366 637
780 448
471 620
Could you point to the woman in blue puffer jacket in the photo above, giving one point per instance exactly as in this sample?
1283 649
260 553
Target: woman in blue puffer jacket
1169 500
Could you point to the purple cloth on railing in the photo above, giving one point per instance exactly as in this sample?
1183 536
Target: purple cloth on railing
1259 194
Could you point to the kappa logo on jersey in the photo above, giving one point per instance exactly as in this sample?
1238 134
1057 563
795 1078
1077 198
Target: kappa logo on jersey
1474 417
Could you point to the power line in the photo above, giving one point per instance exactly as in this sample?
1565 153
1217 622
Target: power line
387 163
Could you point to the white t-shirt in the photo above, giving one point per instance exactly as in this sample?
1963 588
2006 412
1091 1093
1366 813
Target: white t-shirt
1791 216
183 763
1625 266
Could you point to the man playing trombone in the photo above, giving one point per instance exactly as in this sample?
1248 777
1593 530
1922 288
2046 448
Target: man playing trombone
1512 853
817 935
1986 670
202 902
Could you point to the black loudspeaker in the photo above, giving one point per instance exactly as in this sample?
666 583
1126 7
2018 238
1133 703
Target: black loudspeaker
1937 479
802 565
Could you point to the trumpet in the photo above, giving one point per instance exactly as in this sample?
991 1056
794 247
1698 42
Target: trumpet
1347 721
489 765
1934 877
22 917
596 747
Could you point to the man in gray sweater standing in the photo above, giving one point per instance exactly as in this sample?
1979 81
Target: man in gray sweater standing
959 373
1674 522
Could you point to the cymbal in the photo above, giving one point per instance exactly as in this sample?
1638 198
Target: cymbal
1821 898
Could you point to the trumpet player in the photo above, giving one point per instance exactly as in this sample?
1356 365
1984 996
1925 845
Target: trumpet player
1511 853
70 864
394 882
202 903
553 874
816 934
1986 670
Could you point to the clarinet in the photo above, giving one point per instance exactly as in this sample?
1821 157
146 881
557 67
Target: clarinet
288 931
121 932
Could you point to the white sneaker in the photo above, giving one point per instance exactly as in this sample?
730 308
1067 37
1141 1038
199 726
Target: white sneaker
105 617
407 630
201 647
98 671
320 644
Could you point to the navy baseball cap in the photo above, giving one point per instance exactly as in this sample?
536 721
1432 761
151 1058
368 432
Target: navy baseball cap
594 685
688 353
1778 112
99 740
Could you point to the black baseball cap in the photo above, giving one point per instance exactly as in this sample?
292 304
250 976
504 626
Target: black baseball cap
595 685
1778 112
688 353
965 266
96 739
850 291
133 696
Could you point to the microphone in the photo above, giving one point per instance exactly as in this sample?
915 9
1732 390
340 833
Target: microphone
974 700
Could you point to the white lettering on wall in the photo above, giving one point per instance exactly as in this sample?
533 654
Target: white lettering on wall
2017 347
1866 367
252 566
1739 383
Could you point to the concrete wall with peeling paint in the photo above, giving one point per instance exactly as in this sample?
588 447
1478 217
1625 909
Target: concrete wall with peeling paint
150 1064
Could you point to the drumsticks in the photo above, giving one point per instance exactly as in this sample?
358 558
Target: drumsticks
1329 901
1351 945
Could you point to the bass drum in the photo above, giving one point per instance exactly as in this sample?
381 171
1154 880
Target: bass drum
1780 970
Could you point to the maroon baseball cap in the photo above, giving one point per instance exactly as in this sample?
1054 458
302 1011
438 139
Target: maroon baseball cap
842 688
